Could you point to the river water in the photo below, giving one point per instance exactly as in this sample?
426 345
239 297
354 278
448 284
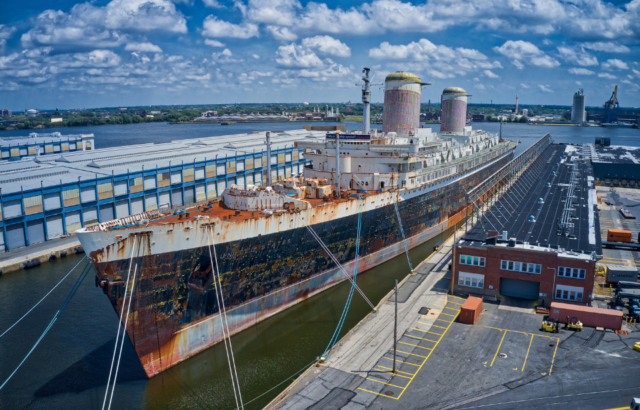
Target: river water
69 368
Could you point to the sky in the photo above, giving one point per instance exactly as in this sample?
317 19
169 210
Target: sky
65 54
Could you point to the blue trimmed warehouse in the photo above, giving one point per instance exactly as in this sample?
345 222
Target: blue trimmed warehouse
44 196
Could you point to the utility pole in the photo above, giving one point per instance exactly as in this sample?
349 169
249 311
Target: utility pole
268 158
337 134
366 100
395 330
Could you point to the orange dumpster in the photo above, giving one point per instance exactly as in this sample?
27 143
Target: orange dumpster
470 310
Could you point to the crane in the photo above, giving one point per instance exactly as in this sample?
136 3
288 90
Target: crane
611 108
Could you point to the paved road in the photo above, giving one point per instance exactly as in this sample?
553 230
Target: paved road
37 249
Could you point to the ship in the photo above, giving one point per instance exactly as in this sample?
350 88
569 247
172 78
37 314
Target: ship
274 245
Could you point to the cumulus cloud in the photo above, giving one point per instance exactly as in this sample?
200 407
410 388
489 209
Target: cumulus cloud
607 75
282 33
143 47
521 52
255 56
213 43
614 64
545 88
581 71
5 33
212 27
524 85
87 24
577 55
607 46
296 56
442 61
224 57
591 20
213 3
490 74
480 87
327 45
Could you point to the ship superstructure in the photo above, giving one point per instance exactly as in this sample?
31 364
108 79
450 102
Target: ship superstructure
268 258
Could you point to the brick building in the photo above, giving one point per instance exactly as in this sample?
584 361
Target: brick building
548 240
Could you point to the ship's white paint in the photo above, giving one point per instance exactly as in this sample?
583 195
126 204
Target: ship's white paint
189 233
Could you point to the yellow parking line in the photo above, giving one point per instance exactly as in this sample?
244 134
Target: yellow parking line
554 355
422 338
423 362
524 333
422 323
525 358
412 354
442 313
383 395
449 301
390 372
438 305
425 348
446 321
400 361
388 384
455 310
424 331
410 374
494 356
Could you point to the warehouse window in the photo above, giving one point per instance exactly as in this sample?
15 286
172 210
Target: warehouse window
521 267
573 273
571 293
473 280
472 260
71 197
164 179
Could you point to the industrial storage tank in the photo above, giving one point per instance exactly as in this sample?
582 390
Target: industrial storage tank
454 110
402 93
578 114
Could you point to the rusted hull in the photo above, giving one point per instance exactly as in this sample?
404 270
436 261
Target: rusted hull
175 313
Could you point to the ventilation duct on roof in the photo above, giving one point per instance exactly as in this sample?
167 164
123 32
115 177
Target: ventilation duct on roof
230 146
63 159
93 164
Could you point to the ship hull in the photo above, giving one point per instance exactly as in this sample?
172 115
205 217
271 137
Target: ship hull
175 309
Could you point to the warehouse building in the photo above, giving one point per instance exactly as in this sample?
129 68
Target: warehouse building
616 165
16 148
48 196
540 240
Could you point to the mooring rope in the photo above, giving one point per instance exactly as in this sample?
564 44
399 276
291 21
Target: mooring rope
45 296
342 269
345 310
115 347
73 291
124 333
404 240
225 324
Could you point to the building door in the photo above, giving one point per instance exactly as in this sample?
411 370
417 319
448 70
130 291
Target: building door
189 196
106 213
15 236
122 208
519 288
35 229
137 206
54 227
176 197
165 199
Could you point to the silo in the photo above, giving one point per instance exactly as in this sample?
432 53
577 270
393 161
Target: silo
578 114
402 92
454 110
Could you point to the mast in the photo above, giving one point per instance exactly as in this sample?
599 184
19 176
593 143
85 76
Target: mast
338 164
366 100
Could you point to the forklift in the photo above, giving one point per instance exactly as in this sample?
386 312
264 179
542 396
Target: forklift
573 324
550 325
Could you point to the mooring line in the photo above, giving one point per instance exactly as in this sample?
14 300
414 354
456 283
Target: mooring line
73 291
36 305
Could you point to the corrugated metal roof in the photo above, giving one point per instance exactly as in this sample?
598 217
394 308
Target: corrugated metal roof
69 167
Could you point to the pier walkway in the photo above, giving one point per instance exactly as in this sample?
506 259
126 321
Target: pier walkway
359 369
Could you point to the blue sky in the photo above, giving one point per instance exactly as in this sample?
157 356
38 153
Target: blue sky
66 54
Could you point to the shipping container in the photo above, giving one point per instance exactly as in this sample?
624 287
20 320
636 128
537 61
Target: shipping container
589 316
615 274
470 310
617 235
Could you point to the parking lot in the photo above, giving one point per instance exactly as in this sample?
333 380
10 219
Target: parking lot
457 364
